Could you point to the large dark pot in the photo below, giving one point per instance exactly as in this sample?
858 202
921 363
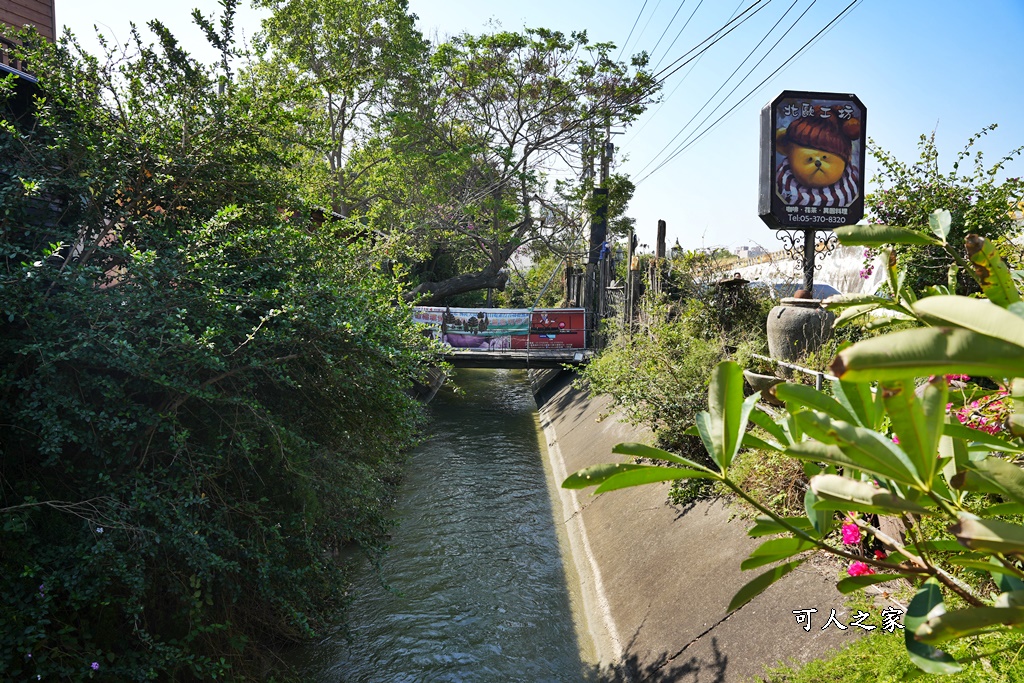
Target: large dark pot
797 327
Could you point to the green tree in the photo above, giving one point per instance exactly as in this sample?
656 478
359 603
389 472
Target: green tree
349 68
201 396
505 108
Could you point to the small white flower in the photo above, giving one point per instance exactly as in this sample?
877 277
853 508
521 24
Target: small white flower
99 530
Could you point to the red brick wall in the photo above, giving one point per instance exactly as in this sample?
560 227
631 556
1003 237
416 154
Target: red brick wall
39 13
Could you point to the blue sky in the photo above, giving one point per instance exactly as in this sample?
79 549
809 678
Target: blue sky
917 65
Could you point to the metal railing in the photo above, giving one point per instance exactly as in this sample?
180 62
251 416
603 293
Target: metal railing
819 377
13 63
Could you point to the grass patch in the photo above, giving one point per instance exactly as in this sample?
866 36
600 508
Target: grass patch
881 658
776 481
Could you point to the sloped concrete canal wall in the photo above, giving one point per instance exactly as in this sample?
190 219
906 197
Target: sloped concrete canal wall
656 580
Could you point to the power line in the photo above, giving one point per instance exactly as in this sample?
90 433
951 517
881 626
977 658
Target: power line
714 37
686 145
672 44
648 22
635 22
726 81
682 80
667 27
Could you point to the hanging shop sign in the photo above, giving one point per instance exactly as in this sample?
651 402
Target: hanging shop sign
812 160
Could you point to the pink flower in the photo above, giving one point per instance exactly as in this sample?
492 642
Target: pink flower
859 568
895 439
851 534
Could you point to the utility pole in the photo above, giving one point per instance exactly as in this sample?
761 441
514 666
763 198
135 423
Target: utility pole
597 261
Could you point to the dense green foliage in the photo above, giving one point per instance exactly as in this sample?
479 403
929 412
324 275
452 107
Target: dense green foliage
657 370
980 202
201 396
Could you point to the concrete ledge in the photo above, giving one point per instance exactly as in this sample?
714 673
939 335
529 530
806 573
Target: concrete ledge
656 580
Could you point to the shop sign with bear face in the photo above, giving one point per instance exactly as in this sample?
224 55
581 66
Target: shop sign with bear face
812 160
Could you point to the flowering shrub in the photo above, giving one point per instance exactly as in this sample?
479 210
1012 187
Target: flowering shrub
988 414
869 265
977 200
930 467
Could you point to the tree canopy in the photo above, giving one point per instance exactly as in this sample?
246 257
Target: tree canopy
448 153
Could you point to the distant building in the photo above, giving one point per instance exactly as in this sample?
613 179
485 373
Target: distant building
38 13
15 14
750 252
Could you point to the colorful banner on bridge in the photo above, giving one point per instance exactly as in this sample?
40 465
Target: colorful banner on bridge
491 329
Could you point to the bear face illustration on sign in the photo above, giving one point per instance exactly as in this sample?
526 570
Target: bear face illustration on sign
818 168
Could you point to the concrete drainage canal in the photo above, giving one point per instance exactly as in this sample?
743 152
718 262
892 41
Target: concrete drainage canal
479 584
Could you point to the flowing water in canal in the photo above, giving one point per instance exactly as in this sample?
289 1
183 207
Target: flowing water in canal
478 589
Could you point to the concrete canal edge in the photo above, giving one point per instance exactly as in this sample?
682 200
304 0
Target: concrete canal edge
656 579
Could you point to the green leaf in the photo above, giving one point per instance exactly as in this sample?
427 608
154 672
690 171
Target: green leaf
992 475
1005 579
978 315
861 495
926 604
765 422
802 395
756 442
1002 510
996 280
814 451
990 441
852 584
977 564
989 535
928 351
729 412
1017 396
1010 598
776 549
936 546
649 474
754 588
880 235
917 423
940 221
702 424
821 520
865 449
844 301
851 314
969 622
596 474
766 526
861 401
644 451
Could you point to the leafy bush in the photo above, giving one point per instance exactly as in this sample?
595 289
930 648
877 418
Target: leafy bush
658 375
892 450
979 203
200 396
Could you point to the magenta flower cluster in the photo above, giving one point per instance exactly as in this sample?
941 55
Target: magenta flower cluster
987 415
869 265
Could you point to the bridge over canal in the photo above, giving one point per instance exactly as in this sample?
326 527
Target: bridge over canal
509 338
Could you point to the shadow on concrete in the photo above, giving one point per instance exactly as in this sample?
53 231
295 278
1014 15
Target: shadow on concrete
663 669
